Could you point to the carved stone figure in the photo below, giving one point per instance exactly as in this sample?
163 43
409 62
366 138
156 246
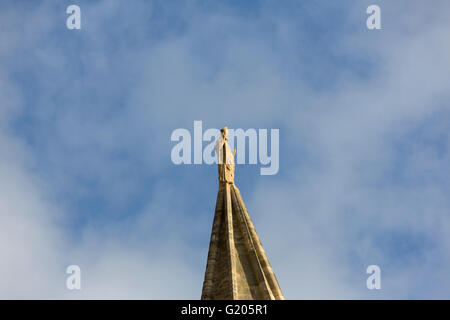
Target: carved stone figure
225 157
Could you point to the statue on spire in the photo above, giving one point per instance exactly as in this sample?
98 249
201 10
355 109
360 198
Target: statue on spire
237 267
225 157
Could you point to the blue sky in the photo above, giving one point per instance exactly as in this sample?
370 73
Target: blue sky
86 118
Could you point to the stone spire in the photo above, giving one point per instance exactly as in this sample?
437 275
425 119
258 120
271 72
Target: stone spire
237 267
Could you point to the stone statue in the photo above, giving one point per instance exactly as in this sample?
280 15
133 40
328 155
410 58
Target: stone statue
225 157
